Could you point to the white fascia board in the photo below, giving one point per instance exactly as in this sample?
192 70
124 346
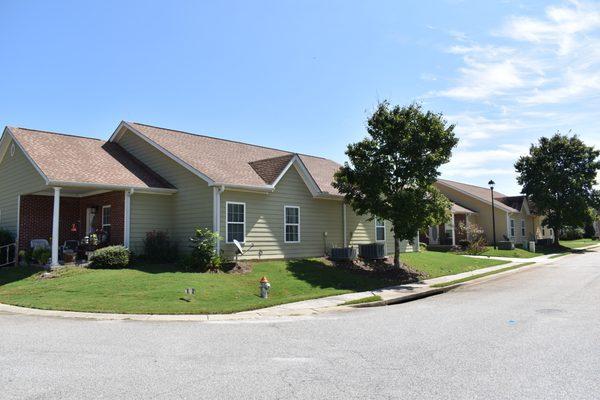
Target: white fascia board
123 126
297 163
100 186
8 133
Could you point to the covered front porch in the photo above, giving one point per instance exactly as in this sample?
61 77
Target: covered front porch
449 234
75 215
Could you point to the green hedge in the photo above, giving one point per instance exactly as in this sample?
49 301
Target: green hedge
110 257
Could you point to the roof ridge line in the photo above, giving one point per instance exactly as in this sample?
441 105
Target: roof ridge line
226 140
470 184
56 133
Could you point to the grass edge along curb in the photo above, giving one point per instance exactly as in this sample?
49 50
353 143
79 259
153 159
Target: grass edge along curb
469 278
362 300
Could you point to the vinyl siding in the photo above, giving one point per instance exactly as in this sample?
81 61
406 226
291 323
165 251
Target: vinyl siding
191 206
483 218
17 176
362 231
265 220
149 212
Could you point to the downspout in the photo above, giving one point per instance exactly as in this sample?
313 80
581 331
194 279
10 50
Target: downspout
127 222
217 214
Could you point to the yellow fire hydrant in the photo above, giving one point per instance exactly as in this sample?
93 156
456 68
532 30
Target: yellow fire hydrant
264 287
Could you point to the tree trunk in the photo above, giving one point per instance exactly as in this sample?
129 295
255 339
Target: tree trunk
556 234
396 252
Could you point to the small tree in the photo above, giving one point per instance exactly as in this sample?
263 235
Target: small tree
559 175
204 256
391 173
476 237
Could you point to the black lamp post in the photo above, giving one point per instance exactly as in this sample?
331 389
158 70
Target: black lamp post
492 183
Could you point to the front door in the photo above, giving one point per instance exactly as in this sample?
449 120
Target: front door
90 221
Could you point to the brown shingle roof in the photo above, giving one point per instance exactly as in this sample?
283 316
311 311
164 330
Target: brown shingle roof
515 202
479 192
67 158
235 163
269 169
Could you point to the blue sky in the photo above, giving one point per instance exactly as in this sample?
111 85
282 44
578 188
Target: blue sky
304 75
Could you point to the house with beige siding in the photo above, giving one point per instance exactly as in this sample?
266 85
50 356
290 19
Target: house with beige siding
515 217
277 204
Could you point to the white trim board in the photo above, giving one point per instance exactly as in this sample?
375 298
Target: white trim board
285 224
227 223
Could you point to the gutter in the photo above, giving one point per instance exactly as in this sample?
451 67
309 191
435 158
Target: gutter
116 187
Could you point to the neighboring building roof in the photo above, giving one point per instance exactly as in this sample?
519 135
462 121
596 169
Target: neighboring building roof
478 192
458 209
66 158
236 163
515 202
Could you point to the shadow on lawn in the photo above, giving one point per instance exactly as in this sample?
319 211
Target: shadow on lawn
17 273
318 274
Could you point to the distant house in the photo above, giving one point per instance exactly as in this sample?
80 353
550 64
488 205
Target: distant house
147 178
515 216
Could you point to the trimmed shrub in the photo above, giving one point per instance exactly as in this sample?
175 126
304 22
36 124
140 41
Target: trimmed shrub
6 237
41 255
110 257
158 247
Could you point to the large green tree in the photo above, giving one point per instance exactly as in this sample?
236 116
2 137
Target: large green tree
558 176
392 171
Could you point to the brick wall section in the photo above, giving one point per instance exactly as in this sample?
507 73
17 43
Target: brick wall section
36 217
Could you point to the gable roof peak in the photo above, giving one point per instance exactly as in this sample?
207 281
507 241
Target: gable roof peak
220 139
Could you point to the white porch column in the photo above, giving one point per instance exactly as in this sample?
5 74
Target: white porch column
55 226
127 221
453 230
345 225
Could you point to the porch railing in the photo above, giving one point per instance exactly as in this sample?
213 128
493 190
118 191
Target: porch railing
8 254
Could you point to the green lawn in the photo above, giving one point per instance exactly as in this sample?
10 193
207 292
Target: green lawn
470 278
362 300
159 289
434 263
516 253
576 244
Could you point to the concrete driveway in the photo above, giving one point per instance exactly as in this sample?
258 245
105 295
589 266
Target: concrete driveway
531 335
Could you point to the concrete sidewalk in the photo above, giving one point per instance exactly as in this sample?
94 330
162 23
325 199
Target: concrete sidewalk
389 295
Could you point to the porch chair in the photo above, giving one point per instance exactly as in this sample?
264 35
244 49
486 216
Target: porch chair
69 248
37 243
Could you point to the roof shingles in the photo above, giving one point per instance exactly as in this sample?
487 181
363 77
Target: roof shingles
235 163
75 159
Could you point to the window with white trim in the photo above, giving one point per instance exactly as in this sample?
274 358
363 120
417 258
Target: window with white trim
512 228
106 211
379 230
236 222
291 224
523 233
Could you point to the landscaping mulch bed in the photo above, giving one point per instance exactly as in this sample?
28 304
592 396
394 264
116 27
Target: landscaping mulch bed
381 268
237 268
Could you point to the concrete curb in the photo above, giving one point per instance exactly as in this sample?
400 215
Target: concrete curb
432 291
285 310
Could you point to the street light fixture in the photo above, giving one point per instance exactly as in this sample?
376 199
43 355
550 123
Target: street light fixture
491 184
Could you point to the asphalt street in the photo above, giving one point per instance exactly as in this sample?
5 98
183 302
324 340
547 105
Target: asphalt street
531 335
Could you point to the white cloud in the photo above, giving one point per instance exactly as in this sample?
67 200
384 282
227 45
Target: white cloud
472 128
544 60
560 29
